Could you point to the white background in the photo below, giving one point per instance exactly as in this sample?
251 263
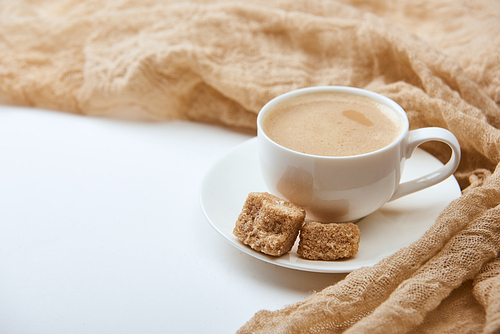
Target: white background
101 231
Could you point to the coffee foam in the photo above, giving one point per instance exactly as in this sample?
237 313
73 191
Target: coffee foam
332 124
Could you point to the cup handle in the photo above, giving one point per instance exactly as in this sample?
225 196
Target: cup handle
418 137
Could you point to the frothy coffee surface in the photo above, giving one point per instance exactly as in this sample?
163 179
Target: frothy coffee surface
332 124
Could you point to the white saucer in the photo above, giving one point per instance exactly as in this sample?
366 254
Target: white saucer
396 225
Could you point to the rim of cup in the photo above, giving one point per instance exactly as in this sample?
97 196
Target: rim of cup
396 108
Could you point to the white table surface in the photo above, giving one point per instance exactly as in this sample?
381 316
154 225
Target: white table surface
101 231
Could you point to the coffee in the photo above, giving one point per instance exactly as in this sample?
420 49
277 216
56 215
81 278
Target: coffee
342 123
332 124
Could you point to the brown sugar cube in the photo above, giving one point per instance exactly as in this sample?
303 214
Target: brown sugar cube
330 241
269 224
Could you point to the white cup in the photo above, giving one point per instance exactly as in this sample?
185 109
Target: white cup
348 188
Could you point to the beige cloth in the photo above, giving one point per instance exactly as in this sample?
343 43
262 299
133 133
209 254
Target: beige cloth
220 61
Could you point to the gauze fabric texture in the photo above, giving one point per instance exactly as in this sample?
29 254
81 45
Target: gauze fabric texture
221 61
